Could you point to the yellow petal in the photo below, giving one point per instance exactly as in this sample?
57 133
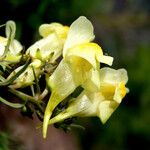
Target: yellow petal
59 29
50 48
112 76
3 42
62 85
120 92
76 106
92 110
85 105
3 39
87 51
12 58
113 83
105 59
106 108
92 84
81 31
14 48
61 81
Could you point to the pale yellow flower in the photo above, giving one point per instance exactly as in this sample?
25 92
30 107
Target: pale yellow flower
14 53
47 29
80 65
27 77
49 48
10 49
102 103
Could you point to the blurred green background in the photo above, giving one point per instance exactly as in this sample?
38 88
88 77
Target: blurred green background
122 28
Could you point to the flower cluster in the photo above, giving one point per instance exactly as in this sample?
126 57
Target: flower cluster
102 88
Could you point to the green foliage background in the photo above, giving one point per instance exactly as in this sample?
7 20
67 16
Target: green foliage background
122 28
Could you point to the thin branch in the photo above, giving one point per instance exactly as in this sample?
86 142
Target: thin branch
36 82
26 98
44 94
14 105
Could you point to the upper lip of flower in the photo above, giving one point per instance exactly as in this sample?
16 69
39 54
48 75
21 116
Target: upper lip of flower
78 43
81 31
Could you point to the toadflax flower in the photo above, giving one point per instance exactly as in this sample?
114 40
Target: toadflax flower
27 77
10 49
79 66
101 103
49 48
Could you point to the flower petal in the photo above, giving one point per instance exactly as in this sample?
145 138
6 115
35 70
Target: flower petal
105 59
14 48
77 106
120 92
92 83
87 51
46 49
81 31
62 85
112 76
61 81
59 29
106 108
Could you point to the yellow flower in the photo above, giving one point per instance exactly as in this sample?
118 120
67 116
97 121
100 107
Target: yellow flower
27 77
101 103
10 49
47 29
49 48
80 65
13 55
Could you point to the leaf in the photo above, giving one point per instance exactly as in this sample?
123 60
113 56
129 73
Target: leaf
10 30
7 82
2 25
14 105
2 78
10 34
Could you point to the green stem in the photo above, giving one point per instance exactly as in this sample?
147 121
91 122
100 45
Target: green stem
2 25
32 90
38 90
14 105
43 95
26 98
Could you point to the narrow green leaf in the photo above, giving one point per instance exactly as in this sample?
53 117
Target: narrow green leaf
7 82
2 78
2 25
73 125
10 30
14 105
